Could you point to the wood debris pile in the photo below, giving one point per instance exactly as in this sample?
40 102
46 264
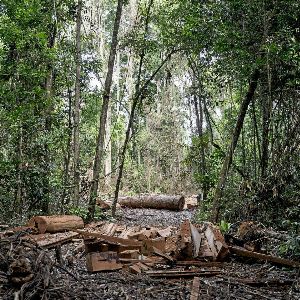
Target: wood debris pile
190 251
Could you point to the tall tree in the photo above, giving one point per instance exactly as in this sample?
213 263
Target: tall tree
76 123
103 116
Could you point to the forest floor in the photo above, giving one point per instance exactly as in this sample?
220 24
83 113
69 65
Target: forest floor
238 279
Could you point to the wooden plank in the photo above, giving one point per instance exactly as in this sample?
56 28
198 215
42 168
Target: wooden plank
48 240
128 231
134 254
274 259
186 238
184 273
148 245
167 232
195 289
196 238
216 242
161 254
197 263
102 261
109 239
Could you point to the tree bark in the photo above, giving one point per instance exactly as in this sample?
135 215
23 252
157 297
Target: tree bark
67 155
103 115
54 224
76 123
154 201
234 139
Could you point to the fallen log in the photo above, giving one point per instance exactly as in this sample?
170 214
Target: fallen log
154 201
53 224
274 259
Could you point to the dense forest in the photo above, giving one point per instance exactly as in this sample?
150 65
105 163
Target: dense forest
104 98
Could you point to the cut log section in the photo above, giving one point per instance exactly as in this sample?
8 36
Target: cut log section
53 224
154 201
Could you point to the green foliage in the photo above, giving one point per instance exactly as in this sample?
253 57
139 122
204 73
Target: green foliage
82 212
224 226
291 248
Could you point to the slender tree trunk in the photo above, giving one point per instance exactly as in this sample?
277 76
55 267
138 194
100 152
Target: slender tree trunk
18 195
46 160
103 115
67 155
107 165
234 139
266 114
136 100
76 123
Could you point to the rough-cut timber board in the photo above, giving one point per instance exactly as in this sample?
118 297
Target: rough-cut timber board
128 231
109 239
109 229
171 202
216 242
161 254
196 263
48 240
274 259
185 273
167 232
186 238
53 224
131 254
102 261
196 238
148 245
195 289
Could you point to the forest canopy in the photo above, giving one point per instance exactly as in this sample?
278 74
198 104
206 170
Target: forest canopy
102 98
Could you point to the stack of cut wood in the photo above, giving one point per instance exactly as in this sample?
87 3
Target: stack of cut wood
110 246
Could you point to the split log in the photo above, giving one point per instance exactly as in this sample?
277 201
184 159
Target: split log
154 201
216 242
196 238
274 259
53 224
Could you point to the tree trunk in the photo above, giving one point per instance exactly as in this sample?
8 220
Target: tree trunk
67 155
103 115
44 197
234 139
107 165
154 201
76 142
